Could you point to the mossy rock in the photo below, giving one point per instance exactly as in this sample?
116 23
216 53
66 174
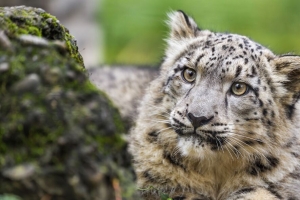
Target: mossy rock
60 138
35 21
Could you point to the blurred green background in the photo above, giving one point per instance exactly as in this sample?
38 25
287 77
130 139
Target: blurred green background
134 29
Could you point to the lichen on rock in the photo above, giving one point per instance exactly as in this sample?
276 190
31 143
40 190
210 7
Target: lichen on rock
60 137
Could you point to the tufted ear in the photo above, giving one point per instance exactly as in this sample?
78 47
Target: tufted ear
182 26
289 67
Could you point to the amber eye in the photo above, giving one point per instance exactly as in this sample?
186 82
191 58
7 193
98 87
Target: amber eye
239 88
189 75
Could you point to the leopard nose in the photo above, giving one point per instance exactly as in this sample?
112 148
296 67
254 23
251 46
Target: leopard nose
198 121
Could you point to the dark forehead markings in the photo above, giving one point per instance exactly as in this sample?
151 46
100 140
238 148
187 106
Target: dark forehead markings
231 49
224 47
261 103
238 71
208 43
228 63
253 70
198 59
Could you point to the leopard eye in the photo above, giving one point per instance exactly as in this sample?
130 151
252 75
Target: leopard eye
239 88
189 75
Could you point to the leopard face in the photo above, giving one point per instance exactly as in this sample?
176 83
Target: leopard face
222 98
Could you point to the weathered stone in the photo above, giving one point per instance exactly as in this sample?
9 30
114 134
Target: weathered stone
53 118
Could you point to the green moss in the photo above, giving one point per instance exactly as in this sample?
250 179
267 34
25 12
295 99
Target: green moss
38 23
34 31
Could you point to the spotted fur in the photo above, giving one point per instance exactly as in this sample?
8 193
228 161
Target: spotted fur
199 140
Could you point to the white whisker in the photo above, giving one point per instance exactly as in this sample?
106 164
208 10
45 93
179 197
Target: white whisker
159 121
251 138
161 130
220 144
229 150
234 152
256 150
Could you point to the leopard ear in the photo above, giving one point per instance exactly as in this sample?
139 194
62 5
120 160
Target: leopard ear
289 67
182 26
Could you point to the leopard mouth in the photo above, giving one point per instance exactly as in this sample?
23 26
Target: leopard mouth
215 139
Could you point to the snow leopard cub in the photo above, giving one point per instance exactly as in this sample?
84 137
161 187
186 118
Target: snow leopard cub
221 121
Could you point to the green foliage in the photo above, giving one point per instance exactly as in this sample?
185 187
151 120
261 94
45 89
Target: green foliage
134 30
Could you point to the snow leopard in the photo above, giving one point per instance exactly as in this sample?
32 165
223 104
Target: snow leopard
220 122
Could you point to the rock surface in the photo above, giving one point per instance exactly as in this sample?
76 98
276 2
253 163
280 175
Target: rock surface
23 20
80 17
125 86
60 137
